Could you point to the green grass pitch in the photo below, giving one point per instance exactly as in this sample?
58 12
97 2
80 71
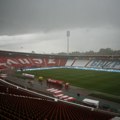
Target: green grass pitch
106 82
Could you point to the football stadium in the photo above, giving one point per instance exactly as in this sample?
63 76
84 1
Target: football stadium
54 87
59 59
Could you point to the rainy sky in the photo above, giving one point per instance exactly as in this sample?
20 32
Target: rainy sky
41 25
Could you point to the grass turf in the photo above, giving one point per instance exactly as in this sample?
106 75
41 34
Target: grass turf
106 82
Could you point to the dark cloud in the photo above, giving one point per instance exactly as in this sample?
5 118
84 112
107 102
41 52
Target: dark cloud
31 16
41 25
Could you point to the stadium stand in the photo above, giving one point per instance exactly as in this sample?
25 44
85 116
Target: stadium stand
105 64
80 63
25 60
21 105
28 62
69 62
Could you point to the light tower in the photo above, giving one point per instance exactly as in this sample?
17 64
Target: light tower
68 35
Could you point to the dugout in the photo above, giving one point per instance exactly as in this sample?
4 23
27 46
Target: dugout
91 102
55 83
28 75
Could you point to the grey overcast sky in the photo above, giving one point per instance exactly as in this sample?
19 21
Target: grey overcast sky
41 25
